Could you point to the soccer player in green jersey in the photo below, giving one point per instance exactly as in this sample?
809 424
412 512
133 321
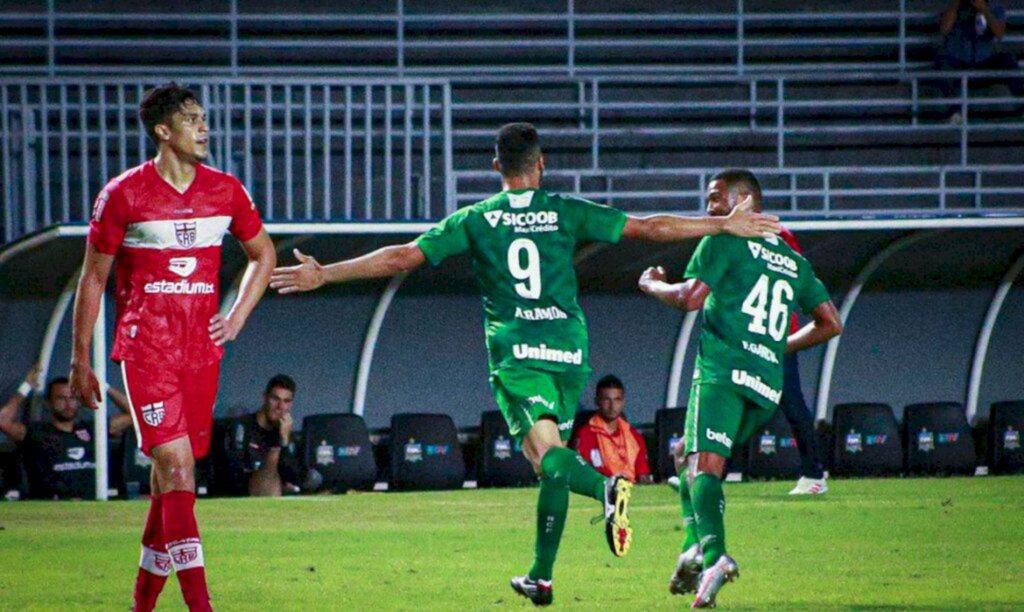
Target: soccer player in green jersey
522 242
747 288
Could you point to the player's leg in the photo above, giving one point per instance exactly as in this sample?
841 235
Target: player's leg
174 465
710 436
794 407
154 562
691 558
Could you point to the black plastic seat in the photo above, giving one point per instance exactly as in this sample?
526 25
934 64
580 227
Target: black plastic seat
501 464
1005 423
338 447
867 440
425 453
938 439
772 451
669 424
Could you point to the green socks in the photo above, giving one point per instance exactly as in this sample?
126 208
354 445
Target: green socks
563 470
709 507
689 520
582 479
552 506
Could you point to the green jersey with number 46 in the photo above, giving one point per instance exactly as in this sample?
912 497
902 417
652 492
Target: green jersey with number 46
754 282
522 244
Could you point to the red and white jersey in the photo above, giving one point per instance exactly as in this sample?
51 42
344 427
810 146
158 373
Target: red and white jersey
167 246
789 238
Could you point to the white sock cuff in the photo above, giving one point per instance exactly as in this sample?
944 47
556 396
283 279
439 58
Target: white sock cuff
186 554
155 562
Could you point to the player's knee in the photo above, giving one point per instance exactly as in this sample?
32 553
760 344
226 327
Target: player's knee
704 463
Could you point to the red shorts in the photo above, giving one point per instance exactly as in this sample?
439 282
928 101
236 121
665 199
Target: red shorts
171 404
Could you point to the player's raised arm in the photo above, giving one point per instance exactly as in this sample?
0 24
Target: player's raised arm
687 295
95 271
742 221
825 326
310 274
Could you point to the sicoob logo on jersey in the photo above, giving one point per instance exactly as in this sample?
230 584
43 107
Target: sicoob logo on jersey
185 233
153 414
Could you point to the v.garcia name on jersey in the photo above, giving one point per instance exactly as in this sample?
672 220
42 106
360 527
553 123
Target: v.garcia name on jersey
524 222
777 262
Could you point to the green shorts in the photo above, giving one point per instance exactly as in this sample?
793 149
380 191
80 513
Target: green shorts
525 395
719 419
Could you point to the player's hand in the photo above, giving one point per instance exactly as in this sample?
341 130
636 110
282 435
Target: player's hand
306 276
84 385
285 427
32 377
223 329
651 276
746 223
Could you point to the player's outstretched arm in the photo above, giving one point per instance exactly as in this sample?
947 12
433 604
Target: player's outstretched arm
825 326
262 259
742 221
310 274
688 295
95 271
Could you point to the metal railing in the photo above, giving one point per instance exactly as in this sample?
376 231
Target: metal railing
568 40
386 149
323 149
820 192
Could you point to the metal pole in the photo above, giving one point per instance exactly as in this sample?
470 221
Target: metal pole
449 154
675 376
985 335
370 342
100 427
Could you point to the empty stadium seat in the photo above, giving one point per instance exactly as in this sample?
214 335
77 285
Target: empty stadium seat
1005 423
338 447
772 451
669 424
501 463
135 465
425 453
938 439
866 440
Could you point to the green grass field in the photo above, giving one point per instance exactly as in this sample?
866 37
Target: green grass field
930 543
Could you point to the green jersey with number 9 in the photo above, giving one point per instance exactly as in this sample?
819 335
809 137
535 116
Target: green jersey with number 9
755 283
522 244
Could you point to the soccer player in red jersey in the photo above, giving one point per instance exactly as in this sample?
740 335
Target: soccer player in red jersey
163 223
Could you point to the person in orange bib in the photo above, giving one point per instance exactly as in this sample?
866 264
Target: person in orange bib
608 442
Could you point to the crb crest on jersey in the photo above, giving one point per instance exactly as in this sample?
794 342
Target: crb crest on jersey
185 233
153 414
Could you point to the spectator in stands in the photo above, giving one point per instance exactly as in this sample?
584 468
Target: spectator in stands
261 450
608 441
970 29
59 454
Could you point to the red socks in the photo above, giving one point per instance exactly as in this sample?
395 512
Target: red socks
155 563
181 534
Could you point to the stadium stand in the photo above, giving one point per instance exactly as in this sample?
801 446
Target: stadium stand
1006 421
386 111
867 441
338 447
501 464
938 439
425 453
772 452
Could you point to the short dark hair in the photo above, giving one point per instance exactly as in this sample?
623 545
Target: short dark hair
280 381
610 381
736 177
60 380
159 103
517 148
